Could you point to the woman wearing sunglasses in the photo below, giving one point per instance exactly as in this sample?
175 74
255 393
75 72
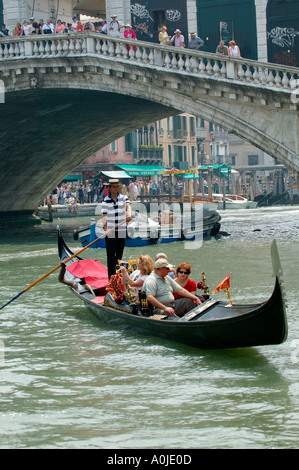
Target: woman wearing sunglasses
182 278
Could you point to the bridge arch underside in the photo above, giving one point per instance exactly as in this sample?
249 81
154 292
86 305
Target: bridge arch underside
48 131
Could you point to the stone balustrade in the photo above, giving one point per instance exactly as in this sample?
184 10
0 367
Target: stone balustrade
202 64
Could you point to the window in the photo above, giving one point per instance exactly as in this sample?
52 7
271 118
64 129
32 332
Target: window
160 123
178 153
129 142
185 153
192 126
152 140
168 126
113 146
193 162
253 159
169 156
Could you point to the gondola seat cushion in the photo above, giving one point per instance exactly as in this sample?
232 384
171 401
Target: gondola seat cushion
93 272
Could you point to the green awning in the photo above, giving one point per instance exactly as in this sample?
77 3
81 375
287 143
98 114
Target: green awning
223 169
72 178
142 170
191 176
115 174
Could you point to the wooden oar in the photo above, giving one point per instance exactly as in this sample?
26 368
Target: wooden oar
107 232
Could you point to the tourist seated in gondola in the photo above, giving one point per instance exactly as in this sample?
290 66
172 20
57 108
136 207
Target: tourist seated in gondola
159 288
183 271
136 279
164 256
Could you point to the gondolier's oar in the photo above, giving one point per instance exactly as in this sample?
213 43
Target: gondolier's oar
107 232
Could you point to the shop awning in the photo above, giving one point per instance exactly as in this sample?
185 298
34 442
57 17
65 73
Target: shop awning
223 169
115 174
72 178
191 176
142 170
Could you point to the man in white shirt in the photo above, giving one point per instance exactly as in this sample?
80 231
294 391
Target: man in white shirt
74 23
178 39
48 27
114 27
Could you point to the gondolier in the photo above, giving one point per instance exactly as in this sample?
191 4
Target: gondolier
116 209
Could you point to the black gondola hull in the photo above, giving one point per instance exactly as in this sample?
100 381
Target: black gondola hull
219 326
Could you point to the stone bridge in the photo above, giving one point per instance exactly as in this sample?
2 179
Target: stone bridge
65 98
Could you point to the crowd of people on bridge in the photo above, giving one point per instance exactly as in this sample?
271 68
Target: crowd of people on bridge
113 28
73 194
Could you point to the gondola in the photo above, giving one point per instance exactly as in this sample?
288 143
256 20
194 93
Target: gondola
212 325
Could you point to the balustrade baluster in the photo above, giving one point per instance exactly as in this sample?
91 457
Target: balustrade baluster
144 56
181 62
193 64
223 69
98 46
277 80
132 53
111 48
105 48
188 64
41 48
72 46
78 46
209 68
285 81
174 62
262 75
6 51
270 79
65 46
241 73
151 57
125 52
167 60
294 83
202 68
13 47
35 48
54 48
138 54
255 76
216 69
59 48
248 74
118 50
84 46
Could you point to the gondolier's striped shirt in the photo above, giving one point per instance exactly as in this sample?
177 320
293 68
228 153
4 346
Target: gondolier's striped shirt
115 212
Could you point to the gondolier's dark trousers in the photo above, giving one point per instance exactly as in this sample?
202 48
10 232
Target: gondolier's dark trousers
114 249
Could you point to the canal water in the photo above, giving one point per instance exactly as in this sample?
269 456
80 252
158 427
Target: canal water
69 381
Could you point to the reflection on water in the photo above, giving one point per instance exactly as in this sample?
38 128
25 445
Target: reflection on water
70 381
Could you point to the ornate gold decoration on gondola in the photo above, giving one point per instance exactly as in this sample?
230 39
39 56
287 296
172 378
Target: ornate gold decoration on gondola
130 265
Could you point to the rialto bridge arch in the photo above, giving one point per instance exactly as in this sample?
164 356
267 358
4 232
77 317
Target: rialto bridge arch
63 103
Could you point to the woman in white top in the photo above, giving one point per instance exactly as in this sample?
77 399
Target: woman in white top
233 49
26 27
137 278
